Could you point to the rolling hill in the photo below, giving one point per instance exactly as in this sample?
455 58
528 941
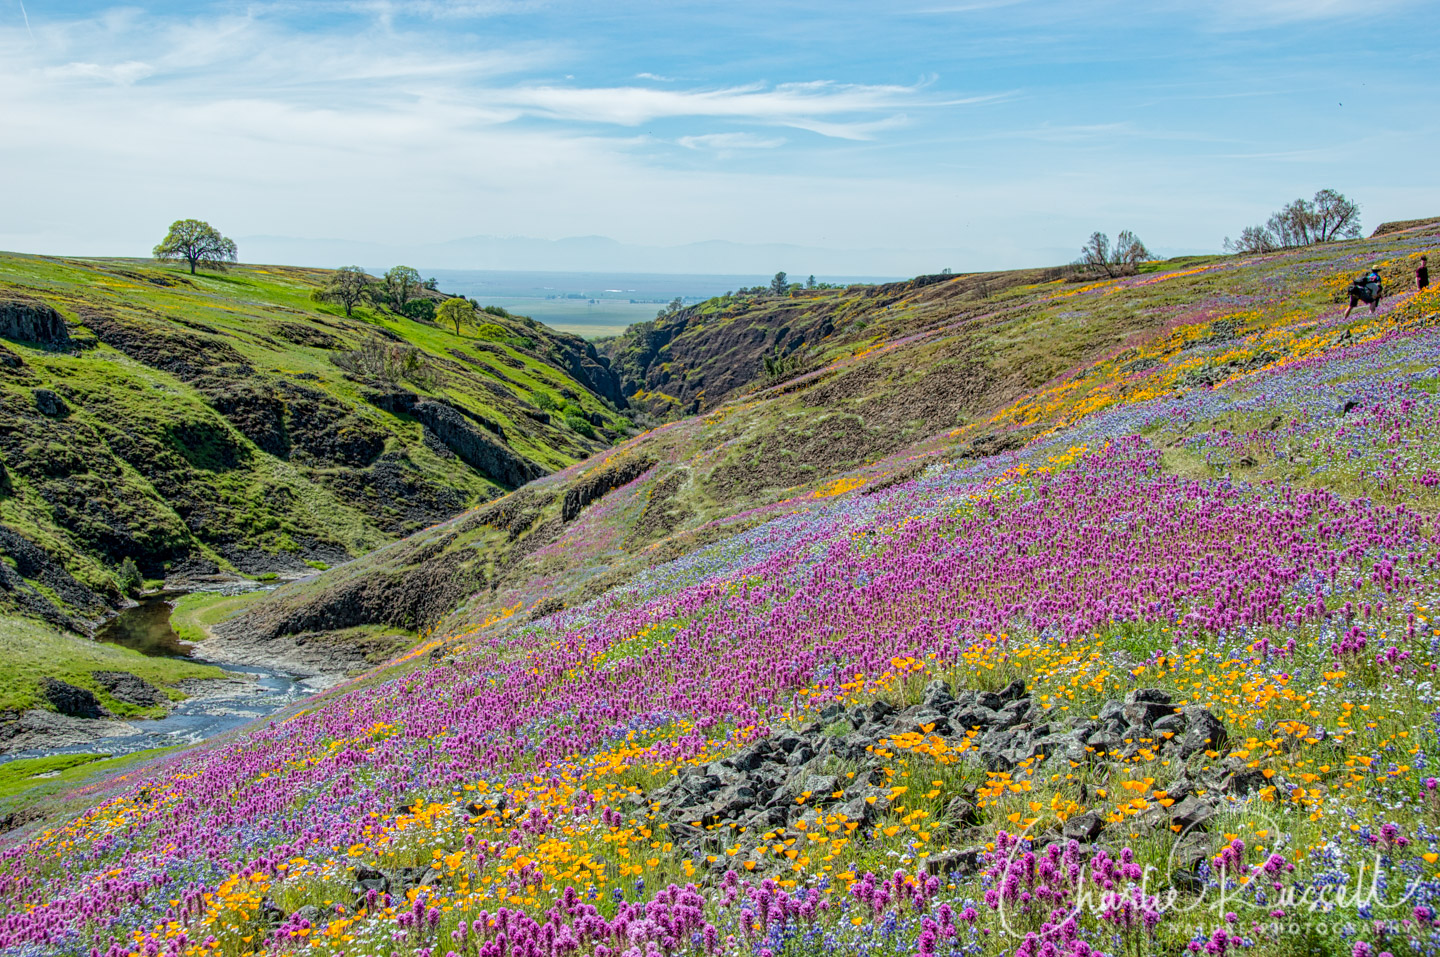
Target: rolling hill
983 598
227 423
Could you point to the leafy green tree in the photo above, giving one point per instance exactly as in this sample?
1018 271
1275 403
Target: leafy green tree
780 285
810 283
456 311
578 421
401 283
197 243
128 577
422 309
348 286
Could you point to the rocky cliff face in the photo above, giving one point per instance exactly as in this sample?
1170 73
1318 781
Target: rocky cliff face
459 433
694 359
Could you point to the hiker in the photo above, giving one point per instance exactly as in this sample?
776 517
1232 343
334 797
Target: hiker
1367 288
1422 276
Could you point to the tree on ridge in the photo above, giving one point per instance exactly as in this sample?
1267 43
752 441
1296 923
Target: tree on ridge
197 243
1303 222
1098 256
401 283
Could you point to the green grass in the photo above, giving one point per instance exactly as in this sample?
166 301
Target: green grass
196 613
33 651
63 791
163 442
21 775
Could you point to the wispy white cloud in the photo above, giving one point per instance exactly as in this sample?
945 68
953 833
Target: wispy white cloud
819 106
373 119
731 141
120 73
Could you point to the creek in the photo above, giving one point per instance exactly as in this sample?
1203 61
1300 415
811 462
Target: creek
214 706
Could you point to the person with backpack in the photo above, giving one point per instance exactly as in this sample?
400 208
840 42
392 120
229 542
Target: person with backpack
1368 289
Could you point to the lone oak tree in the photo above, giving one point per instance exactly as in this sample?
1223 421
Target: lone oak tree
456 311
198 243
348 286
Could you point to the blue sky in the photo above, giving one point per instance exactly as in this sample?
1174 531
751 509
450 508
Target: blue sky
968 133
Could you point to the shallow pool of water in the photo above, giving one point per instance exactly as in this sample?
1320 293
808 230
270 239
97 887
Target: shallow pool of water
146 628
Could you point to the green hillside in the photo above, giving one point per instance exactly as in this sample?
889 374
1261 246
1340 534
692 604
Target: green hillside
1075 585
885 381
225 422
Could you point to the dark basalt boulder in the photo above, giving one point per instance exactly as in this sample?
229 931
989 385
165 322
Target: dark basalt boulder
131 689
70 700
49 403
31 321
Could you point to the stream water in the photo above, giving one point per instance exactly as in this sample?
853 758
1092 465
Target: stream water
214 706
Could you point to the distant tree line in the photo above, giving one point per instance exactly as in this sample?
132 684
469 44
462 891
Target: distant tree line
1304 222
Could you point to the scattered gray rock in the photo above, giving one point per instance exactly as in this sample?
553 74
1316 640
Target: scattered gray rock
30 320
1192 812
782 780
38 728
1084 828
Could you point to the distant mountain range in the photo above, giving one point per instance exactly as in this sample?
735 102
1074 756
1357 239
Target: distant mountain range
602 254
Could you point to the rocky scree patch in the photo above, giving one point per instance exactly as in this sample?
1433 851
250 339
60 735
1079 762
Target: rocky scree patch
791 776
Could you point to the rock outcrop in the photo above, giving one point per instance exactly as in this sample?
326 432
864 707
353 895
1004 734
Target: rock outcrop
791 775
131 689
460 434
48 402
30 320
71 701
601 482
24 566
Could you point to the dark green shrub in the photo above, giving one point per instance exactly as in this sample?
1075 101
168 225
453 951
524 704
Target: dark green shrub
128 578
578 421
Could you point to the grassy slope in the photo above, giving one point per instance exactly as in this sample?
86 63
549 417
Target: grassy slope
151 463
1229 371
33 650
967 366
